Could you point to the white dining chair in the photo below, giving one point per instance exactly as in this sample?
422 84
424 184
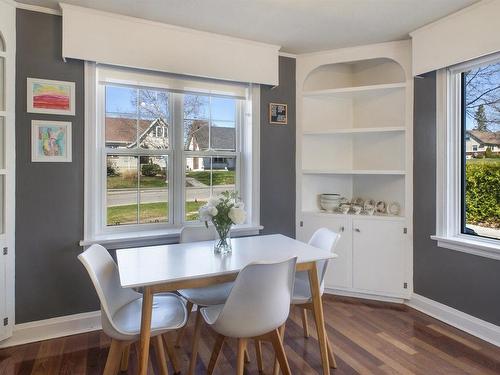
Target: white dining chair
205 296
121 312
259 303
327 240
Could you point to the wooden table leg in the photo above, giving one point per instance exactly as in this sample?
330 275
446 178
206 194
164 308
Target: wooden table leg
319 318
147 312
195 343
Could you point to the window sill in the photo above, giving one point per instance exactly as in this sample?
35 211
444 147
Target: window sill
483 248
157 237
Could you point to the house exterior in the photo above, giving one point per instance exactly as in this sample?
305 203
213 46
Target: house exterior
222 139
121 132
476 142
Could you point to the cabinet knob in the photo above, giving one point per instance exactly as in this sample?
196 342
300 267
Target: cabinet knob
342 229
357 230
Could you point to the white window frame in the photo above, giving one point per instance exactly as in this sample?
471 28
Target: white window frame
247 176
449 169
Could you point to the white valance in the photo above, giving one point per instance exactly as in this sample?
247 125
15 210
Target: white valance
103 37
468 34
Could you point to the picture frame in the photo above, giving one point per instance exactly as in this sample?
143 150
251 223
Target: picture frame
50 97
278 113
51 141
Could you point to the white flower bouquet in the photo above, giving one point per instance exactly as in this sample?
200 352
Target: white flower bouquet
223 211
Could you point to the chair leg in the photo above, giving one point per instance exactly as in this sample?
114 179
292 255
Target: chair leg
182 331
276 368
240 365
304 323
331 357
114 357
125 358
219 341
160 355
172 356
258 353
280 352
247 357
196 339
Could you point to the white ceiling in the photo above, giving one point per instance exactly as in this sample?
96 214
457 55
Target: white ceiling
299 26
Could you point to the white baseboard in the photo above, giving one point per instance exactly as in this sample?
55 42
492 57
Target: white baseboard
484 330
52 328
374 297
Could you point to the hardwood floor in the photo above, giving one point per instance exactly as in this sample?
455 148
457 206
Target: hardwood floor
368 338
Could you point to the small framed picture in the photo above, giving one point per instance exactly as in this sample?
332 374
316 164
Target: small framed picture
278 114
51 97
50 141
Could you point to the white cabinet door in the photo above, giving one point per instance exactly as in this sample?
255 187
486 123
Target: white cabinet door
339 272
379 256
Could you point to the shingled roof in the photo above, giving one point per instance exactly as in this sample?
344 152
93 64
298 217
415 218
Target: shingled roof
222 138
123 130
487 138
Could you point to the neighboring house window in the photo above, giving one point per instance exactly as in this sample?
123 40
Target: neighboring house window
159 146
468 198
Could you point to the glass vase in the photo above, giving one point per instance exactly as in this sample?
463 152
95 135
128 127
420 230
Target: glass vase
222 244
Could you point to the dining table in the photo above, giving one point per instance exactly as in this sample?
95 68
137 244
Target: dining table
167 268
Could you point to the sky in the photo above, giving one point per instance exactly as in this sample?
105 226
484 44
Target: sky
119 101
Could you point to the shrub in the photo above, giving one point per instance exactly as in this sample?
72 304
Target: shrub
482 197
488 153
111 169
150 170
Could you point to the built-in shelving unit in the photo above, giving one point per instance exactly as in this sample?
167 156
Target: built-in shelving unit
381 129
355 90
354 113
354 171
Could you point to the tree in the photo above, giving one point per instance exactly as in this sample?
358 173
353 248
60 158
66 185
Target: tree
480 118
482 88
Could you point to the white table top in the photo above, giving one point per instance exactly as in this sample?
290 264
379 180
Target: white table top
166 263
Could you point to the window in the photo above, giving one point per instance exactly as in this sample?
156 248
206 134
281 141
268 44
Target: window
468 169
161 146
480 174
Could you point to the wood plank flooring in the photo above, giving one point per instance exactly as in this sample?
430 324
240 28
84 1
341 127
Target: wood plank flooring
368 338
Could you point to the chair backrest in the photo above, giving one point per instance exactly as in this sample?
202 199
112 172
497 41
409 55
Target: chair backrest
194 234
259 301
324 239
103 272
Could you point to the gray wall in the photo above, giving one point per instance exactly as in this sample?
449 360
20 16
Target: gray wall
50 281
277 156
49 196
465 282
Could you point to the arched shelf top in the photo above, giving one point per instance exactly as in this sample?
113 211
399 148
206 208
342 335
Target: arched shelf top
370 72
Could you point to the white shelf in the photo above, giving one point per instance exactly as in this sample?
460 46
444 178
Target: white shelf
382 129
355 90
354 171
359 216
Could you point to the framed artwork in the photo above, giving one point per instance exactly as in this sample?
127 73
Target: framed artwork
52 97
50 141
278 114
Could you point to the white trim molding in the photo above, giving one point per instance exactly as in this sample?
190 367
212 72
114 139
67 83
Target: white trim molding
477 327
37 8
53 328
354 294
133 42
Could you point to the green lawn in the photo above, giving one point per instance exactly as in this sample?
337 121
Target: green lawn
218 177
149 213
485 160
119 182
